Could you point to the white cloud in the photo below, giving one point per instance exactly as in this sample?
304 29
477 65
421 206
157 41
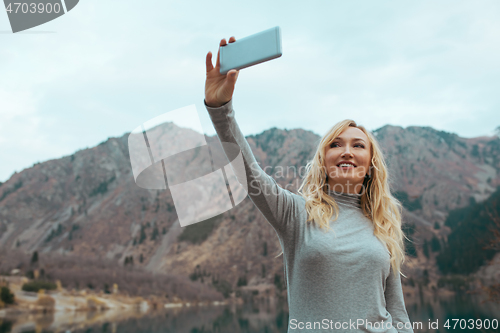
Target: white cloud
112 65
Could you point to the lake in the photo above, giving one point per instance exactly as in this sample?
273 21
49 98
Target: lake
250 318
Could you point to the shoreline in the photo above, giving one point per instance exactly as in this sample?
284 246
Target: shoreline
86 301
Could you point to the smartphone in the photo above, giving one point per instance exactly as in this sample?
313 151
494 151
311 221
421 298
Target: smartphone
251 50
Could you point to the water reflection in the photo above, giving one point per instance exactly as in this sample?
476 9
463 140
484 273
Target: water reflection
251 318
460 306
243 318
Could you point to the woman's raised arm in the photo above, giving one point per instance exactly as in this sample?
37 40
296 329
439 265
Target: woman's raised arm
279 206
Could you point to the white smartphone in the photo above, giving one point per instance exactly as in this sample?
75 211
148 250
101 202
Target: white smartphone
251 50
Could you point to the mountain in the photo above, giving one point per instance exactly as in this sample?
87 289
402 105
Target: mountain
88 205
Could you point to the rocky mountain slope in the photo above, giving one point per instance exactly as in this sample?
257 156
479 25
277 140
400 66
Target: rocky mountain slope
89 205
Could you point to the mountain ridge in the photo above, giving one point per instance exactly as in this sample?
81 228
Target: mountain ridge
87 203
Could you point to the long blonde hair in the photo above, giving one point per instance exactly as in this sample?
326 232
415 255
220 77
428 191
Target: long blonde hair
377 202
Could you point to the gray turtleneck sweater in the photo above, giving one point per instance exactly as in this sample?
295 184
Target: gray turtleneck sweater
339 281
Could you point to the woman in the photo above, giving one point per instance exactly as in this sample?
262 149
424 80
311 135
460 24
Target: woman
346 280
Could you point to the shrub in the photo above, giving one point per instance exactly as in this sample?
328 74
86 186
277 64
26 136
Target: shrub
6 296
30 274
142 236
34 257
155 234
242 281
37 285
102 187
5 325
223 287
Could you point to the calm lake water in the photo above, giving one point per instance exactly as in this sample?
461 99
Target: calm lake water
254 318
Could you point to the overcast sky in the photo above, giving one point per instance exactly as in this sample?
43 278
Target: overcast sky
106 67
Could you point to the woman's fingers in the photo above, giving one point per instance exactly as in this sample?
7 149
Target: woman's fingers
233 75
219 88
209 64
223 42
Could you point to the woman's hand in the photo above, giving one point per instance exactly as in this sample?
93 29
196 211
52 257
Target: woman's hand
218 87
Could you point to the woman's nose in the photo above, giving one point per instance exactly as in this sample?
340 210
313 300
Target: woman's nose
346 151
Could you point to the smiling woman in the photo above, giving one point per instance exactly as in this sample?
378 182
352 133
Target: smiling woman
347 160
333 279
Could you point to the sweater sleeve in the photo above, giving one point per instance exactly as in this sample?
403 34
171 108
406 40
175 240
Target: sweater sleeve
278 205
395 303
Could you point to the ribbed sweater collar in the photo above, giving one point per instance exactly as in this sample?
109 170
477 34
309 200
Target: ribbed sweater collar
352 200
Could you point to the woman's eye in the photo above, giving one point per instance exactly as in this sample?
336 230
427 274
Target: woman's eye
335 144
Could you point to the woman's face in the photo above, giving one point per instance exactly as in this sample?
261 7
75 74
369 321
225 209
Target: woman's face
353 148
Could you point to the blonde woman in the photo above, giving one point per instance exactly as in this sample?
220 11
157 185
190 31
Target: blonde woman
341 235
